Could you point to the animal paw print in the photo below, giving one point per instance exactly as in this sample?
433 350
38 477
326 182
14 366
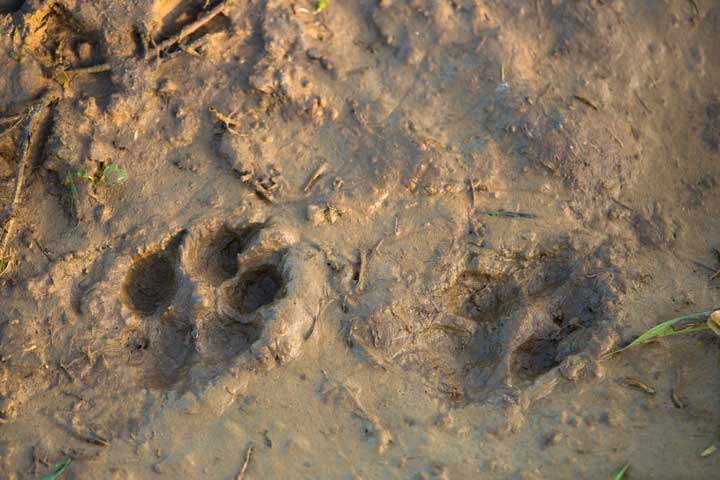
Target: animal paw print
217 297
502 324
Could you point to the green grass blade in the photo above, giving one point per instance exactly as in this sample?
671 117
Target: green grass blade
621 473
666 329
714 323
321 5
59 469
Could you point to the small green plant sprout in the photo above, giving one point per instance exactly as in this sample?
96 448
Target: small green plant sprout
16 54
113 174
3 265
694 322
59 469
621 473
321 5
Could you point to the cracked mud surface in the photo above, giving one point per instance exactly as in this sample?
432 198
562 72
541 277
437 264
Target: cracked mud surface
405 232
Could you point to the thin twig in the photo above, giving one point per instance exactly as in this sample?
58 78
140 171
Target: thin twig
695 7
11 127
248 457
191 28
227 121
376 249
615 137
319 172
642 102
67 372
361 274
186 47
99 68
10 119
586 101
26 141
472 193
508 214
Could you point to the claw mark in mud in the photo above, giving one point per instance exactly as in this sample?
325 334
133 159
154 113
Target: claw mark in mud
151 283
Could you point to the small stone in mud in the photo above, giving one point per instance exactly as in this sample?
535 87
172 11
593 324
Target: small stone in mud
553 439
437 472
572 367
444 420
8 411
317 215
84 52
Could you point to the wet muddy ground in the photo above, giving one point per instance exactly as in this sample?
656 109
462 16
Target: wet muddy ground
387 239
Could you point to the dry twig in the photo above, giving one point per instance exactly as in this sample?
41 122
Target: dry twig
248 457
26 140
191 28
319 172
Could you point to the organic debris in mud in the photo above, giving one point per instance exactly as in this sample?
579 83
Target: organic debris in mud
671 327
16 120
319 172
227 121
64 75
26 142
321 5
59 469
246 463
189 29
586 101
341 392
508 214
111 175
708 451
639 385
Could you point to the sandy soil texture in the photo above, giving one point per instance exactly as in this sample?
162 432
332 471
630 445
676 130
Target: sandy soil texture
249 239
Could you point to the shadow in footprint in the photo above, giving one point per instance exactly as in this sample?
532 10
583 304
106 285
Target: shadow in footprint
161 345
535 357
151 284
10 6
257 288
215 258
